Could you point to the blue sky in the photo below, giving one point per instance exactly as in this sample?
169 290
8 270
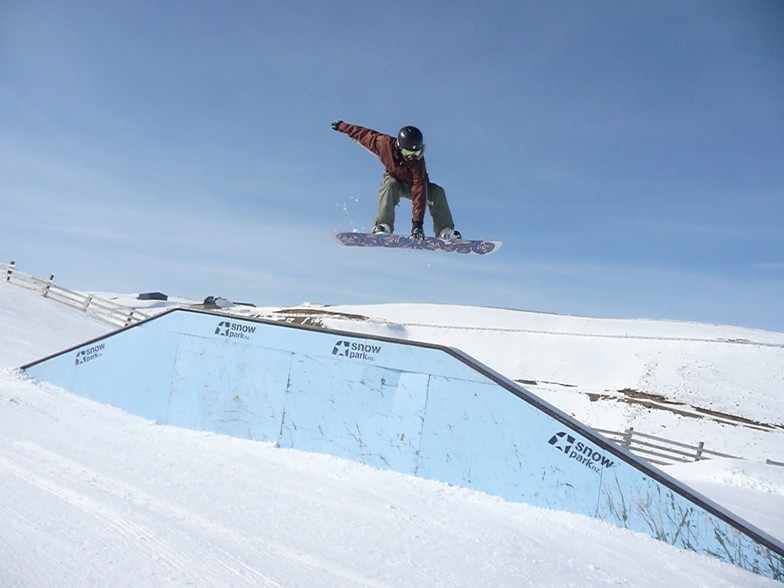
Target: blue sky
629 154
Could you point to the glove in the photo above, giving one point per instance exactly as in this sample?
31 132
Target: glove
416 230
335 125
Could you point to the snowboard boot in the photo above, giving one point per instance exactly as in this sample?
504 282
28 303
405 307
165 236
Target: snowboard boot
448 234
382 229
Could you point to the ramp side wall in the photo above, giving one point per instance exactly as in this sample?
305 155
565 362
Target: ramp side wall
421 410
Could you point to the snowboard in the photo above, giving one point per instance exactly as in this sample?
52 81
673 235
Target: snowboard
465 246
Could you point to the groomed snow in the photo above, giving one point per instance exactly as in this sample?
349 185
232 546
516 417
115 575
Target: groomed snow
90 495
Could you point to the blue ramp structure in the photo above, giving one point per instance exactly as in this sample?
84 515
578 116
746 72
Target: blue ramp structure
420 409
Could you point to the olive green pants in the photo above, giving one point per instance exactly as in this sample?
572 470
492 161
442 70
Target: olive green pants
392 191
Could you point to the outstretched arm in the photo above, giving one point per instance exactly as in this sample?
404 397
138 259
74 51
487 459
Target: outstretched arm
364 136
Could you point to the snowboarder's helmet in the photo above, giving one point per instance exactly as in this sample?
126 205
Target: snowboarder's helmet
410 138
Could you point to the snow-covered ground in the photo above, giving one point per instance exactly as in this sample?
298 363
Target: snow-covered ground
90 495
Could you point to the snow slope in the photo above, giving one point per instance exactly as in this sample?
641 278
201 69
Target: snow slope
34 327
90 495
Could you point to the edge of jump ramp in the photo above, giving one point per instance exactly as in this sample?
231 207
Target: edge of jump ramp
417 408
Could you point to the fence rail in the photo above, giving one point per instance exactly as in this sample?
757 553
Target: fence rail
659 450
104 310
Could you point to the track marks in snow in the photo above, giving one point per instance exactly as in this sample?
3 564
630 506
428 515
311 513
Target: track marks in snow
177 538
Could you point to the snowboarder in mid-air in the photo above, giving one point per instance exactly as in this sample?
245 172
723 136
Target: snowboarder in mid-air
405 175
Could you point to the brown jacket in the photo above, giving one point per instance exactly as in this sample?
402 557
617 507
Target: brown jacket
413 173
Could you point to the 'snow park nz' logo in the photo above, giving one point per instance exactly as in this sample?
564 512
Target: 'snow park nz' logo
232 330
90 353
591 458
354 350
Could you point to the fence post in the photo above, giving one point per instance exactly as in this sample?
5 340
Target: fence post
627 438
9 271
700 447
87 302
48 285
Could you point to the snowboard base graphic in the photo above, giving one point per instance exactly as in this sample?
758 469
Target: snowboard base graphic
464 246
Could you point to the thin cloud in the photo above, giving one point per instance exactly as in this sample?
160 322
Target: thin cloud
769 267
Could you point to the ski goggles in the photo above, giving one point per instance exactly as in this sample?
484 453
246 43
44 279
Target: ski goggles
412 152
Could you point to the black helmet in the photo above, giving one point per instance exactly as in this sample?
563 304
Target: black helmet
410 138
